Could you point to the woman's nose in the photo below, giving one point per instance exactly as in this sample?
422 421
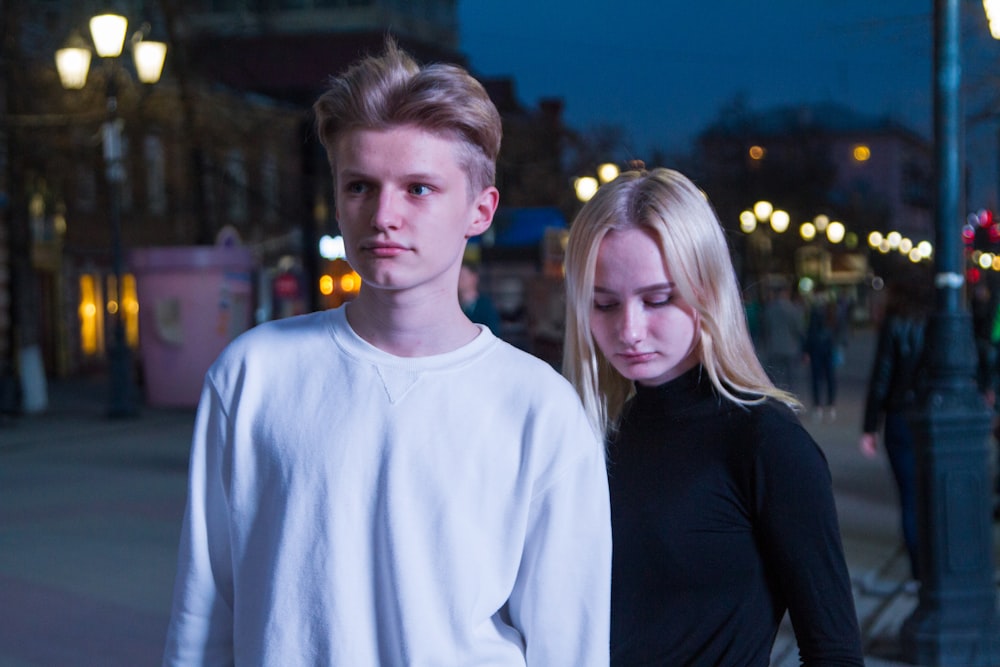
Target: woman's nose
631 326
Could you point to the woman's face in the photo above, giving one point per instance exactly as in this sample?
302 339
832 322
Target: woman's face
639 321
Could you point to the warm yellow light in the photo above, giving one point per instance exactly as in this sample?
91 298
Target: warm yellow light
986 260
607 172
108 32
905 246
762 210
149 58
807 231
326 285
780 221
862 153
821 221
73 64
884 247
130 310
835 232
992 8
585 187
350 282
915 256
996 263
894 238
91 327
756 153
875 239
925 249
748 221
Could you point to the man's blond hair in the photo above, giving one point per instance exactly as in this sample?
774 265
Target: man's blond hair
392 90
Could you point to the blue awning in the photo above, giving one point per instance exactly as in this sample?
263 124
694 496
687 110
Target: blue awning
524 226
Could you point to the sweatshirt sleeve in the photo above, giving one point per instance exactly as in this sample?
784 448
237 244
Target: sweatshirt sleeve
201 619
562 596
802 545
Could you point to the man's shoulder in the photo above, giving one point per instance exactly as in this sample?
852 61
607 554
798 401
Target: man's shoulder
525 371
274 338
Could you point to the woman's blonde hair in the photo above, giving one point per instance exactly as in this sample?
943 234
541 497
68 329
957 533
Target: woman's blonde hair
697 256
391 90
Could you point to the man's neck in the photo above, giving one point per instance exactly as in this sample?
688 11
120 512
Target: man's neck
414 329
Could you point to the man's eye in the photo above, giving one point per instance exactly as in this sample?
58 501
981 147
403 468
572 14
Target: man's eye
357 187
420 190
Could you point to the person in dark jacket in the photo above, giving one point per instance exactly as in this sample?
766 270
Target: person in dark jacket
892 393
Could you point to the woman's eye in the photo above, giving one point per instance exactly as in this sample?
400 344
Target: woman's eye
659 302
603 307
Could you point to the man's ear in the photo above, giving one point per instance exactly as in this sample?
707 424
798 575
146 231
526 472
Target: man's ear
485 206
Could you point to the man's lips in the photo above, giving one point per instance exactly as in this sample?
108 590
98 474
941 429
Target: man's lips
384 249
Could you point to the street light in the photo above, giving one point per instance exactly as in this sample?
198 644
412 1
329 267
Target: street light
73 62
586 186
956 620
992 8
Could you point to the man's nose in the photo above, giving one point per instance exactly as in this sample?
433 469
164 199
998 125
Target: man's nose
386 212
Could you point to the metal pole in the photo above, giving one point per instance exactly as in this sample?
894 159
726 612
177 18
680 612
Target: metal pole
956 620
122 397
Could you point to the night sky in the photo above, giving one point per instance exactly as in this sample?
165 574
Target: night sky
662 70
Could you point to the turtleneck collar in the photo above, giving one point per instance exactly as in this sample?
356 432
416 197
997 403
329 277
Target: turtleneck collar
685 391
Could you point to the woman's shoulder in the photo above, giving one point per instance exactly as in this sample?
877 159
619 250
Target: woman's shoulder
771 422
780 440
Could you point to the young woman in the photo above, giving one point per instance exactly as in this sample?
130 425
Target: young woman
722 509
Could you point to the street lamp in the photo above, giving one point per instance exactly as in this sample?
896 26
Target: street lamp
956 621
73 62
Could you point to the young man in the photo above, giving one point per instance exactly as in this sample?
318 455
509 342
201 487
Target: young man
388 483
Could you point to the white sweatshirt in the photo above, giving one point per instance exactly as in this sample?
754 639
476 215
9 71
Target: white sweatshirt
350 507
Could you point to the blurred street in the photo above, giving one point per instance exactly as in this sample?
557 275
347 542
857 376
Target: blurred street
90 511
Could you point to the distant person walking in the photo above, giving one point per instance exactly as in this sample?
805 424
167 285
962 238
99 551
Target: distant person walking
892 392
824 340
781 331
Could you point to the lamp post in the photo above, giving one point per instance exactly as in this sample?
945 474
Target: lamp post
956 621
73 62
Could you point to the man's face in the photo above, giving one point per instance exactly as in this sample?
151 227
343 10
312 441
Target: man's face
404 208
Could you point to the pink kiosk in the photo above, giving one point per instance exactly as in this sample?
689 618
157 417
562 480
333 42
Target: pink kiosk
193 300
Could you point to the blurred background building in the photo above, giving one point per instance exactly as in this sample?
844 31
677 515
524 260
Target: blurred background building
221 150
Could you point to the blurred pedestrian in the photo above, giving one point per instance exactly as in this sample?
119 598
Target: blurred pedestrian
781 332
983 308
892 392
823 346
722 505
386 482
477 306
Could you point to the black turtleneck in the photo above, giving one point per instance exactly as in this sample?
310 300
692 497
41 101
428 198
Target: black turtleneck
723 519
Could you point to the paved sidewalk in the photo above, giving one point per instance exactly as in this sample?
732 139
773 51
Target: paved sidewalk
90 512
